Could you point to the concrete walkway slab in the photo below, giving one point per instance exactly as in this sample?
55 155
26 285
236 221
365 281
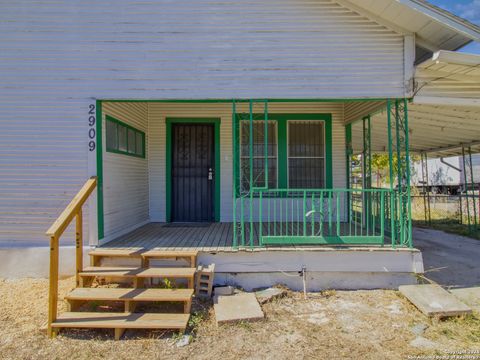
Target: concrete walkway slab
469 296
238 307
433 300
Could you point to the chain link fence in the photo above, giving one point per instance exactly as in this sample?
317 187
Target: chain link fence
454 213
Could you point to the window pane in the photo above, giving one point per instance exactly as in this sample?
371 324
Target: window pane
139 144
306 164
131 141
305 139
259 139
305 173
122 138
111 135
258 154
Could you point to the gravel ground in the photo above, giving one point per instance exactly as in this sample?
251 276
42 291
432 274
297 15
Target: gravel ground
329 325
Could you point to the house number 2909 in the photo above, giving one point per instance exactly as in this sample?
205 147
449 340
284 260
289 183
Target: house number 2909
91 127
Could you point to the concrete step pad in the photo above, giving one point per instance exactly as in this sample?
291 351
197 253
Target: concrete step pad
469 296
433 300
237 307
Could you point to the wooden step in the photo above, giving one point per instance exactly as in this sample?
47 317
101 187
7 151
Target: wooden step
99 253
136 273
190 255
129 296
136 252
121 321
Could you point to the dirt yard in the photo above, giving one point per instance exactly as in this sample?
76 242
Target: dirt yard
329 325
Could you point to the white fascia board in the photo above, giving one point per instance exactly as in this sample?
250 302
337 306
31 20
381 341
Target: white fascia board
453 57
444 17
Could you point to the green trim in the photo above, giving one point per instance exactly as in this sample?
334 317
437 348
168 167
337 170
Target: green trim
282 153
206 101
168 171
100 215
282 160
127 126
318 240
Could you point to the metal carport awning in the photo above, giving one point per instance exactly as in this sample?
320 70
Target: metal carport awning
444 114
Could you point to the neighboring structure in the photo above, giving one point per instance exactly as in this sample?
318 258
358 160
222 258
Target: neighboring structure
241 114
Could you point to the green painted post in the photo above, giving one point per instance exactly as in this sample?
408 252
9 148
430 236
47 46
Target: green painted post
390 161
348 157
266 142
399 173
408 234
234 142
251 185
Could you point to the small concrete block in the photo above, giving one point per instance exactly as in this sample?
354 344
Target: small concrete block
267 295
238 307
469 296
432 300
224 290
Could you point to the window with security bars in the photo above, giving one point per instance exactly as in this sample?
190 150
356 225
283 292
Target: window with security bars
306 155
124 139
258 152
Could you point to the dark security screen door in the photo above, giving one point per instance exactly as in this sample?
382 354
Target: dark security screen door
193 180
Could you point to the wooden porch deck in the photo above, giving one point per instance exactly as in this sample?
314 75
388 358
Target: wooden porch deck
212 237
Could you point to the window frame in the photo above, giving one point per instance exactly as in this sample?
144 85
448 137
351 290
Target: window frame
127 128
324 139
282 120
240 156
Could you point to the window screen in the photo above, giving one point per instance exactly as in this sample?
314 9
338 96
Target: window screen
258 154
306 154
124 139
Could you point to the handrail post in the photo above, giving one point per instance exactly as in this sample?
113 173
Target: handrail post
53 286
79 245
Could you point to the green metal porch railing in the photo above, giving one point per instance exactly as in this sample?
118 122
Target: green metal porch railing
264 216
319 216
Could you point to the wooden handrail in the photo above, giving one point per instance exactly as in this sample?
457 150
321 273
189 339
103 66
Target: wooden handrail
66 217
73 210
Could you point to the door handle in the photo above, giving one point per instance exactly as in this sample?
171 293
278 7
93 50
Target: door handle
210 174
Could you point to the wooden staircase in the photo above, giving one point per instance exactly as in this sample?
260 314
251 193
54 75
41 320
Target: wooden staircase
137 277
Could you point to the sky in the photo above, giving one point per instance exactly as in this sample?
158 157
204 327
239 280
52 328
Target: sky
467 9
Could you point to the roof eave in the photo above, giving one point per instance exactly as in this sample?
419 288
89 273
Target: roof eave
446 18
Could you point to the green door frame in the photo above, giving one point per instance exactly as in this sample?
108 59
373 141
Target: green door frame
168 170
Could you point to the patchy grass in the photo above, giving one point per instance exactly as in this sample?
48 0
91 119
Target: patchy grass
328 325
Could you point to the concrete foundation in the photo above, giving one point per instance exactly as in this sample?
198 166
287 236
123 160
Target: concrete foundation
326 268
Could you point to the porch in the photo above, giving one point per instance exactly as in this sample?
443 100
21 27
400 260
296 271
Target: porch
211 237
263 173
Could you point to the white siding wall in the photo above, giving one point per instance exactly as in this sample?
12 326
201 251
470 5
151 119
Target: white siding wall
125 178
121 49
58 56
158 112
